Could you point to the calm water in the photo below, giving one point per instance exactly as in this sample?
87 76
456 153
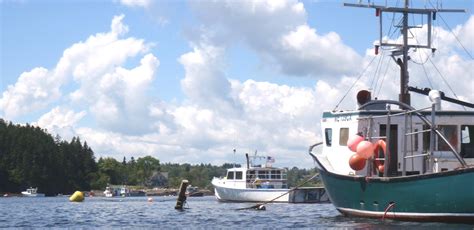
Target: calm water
201 212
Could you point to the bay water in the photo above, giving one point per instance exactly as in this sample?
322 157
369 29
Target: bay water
200 212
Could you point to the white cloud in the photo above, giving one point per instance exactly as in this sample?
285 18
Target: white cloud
33 90
61 121
219 113
278 32
205 82
119 100
136 3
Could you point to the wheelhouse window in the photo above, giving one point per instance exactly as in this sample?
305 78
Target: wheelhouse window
451 134
238 175
343 136
467 141
230 175
328 136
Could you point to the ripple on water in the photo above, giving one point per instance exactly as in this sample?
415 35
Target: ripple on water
200 212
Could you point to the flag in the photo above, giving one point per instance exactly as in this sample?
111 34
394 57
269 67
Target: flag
270 159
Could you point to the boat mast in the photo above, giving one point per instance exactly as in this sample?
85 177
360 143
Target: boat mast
404 95
402 49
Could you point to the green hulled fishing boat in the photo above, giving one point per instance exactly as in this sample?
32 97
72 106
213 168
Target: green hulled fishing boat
389 160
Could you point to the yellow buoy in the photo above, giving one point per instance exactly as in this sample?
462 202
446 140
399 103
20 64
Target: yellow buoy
78 196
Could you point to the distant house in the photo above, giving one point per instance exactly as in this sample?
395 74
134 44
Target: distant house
159 179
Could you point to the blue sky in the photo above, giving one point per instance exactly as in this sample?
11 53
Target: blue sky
188 81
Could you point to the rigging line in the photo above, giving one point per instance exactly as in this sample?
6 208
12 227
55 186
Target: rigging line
451 30
446 82
353 84
383 79
379 70
375 75
423 62
426 75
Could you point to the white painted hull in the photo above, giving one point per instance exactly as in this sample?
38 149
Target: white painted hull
251 195
32 195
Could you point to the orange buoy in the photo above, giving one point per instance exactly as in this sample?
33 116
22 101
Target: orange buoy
365 149
357 162
354 141
380 145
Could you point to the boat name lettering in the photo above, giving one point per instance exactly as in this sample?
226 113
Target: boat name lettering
343 118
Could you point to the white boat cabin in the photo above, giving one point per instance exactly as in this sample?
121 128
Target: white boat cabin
256 177
409 145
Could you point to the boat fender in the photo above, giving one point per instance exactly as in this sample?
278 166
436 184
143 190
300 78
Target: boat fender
379 145
260 207
77 196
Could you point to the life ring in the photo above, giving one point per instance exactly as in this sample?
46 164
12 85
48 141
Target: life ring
380 145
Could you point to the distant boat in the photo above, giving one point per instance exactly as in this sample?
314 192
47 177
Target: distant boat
193 191
109 192
121 191
124 191
254 183
32 192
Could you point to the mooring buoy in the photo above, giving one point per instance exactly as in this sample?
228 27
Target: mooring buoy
78 196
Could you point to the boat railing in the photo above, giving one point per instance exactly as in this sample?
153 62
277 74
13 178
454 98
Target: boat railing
408 132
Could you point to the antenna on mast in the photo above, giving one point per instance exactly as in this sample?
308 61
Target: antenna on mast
403 48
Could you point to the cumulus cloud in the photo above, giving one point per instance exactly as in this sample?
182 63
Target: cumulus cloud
205 82
278 32
219 113
33 90
136 3
61 121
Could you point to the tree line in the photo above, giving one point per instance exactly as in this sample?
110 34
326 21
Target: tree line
31 157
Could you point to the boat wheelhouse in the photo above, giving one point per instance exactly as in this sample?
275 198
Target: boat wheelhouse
254 183
410 141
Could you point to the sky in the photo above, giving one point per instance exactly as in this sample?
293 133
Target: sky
189 81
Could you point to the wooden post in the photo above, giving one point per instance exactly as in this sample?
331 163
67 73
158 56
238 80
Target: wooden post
181 195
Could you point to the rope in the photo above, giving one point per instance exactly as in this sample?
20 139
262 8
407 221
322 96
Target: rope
390 206
383 79
451 30
358 78
270 201
444 80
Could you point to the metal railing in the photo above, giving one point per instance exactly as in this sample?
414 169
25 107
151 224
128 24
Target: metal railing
408 132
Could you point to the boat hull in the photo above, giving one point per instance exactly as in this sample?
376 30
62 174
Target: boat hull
32 195
445 196
251 195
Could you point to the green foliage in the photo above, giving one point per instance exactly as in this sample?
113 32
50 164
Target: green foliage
31 157
296 177
198 175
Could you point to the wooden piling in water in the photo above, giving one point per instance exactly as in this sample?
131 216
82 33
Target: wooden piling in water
181 195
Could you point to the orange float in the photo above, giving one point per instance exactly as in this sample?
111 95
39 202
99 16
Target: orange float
365 149
354 141
357 162
380 145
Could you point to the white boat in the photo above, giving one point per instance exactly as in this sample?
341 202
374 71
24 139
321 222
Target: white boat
124 191
109 192
254 183
32 192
